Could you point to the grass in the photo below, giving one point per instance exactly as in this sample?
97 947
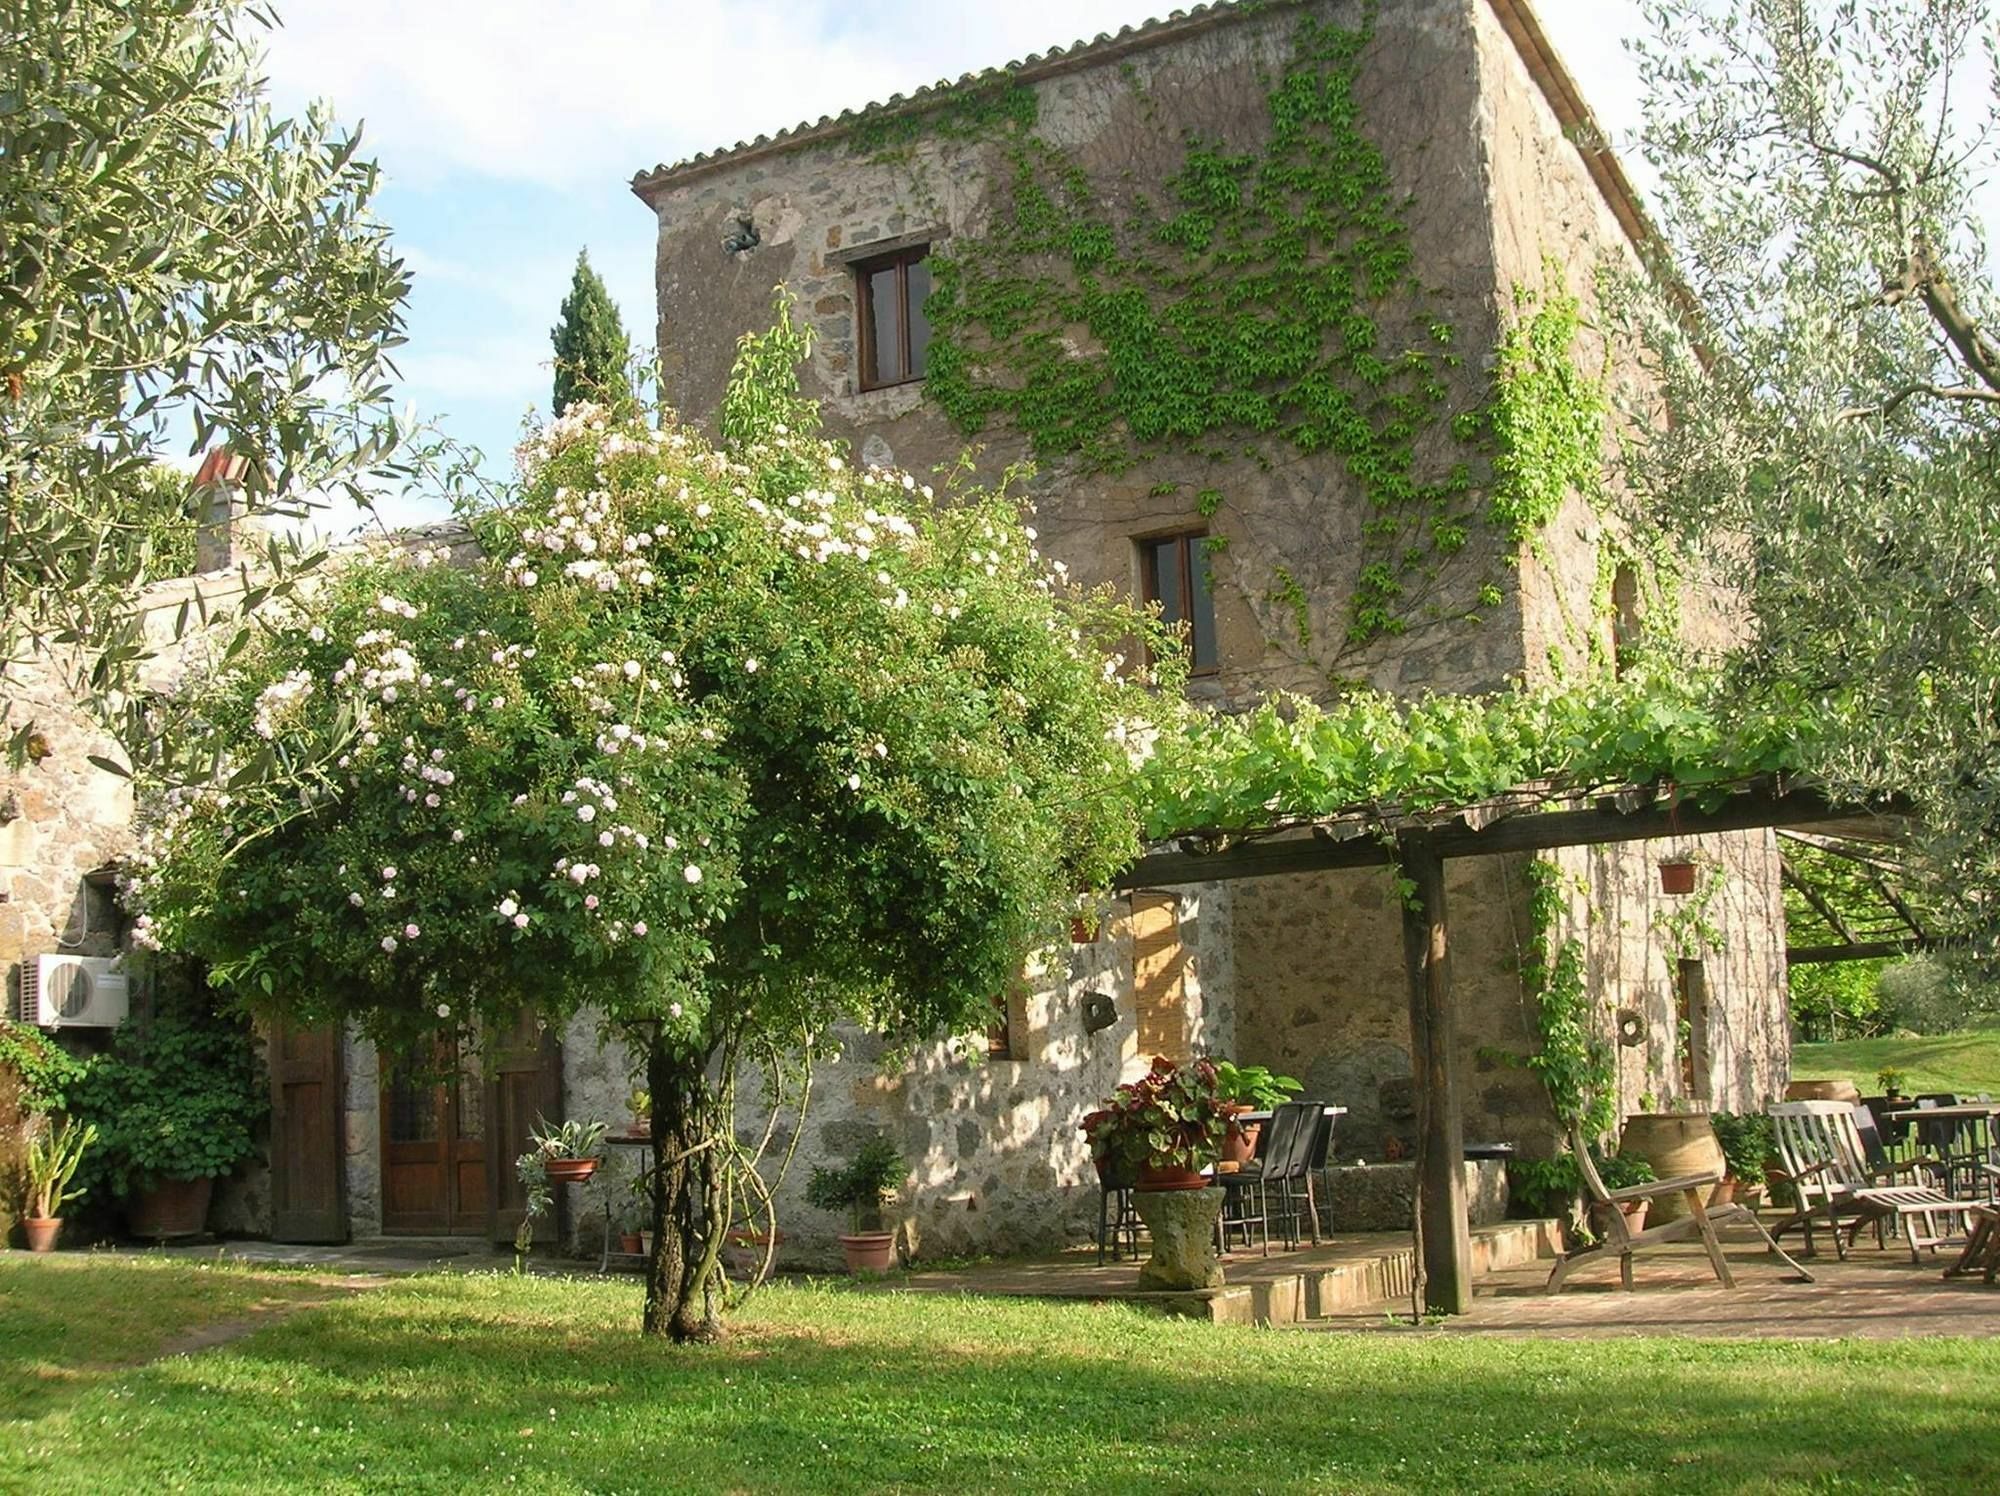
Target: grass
1962 1062
490 1382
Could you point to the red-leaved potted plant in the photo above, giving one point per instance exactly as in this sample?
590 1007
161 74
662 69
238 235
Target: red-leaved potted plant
1165 1127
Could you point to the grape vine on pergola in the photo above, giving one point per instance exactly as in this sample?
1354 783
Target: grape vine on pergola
1529 819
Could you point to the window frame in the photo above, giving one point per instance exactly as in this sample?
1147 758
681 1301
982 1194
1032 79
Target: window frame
865 270
1149 585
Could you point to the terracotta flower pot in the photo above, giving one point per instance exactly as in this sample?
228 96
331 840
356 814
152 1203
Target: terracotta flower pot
568 1170
1239 1142
1080 932
870 1251
170 1208
1677 877
1154 1180
1724 1192
631 1243
42 1232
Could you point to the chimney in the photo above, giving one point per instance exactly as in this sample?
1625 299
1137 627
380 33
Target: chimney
221 517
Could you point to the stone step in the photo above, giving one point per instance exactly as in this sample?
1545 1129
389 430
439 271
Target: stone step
1318 1290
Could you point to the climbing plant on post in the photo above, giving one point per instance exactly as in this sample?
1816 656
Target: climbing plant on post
723 745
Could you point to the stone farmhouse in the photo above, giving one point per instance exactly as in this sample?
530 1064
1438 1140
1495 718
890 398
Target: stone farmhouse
1241 285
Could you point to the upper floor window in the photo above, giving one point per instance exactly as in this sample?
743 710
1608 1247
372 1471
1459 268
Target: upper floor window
890 291
1175 571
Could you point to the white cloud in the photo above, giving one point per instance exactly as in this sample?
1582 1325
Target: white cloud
571 94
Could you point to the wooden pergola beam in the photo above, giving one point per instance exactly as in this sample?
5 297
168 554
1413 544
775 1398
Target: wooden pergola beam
1443 1231
1311 851
1857 950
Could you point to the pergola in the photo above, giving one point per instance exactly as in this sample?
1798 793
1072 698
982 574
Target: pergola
1530 819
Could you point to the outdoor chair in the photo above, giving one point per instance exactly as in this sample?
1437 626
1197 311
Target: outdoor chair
1619 1237
1247 1197
1117 1216
1827 1164
1290 1174
1893 1134
1982 1241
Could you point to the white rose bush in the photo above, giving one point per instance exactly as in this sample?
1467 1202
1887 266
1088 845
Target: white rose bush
724 745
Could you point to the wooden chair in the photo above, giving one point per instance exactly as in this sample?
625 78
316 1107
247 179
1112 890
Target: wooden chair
1826 1162
1701 1220
1982 1242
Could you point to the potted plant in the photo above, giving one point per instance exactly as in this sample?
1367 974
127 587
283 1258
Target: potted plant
568 1153
1165 1127
1890 1079
641 1102
177 1102
1677 875
54 1152
1747 1142
1247 1088
1620 1171
861 1189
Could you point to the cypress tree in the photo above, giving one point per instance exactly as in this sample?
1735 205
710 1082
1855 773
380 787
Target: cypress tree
591 347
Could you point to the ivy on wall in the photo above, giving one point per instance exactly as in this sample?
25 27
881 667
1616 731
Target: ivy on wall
1574 1064
1264 304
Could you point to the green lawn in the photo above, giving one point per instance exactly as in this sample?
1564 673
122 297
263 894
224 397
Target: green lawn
478 1383
1964 1062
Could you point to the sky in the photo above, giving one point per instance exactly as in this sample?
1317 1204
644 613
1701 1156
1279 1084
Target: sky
508 132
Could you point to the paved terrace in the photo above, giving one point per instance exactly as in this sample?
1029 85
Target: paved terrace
1360 1282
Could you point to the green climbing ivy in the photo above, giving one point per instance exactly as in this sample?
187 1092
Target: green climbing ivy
1575 1064
1267 300
1548 416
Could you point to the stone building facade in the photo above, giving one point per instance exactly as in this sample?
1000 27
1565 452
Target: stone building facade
1475 123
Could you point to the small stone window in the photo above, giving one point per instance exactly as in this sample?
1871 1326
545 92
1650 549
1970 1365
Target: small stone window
1174 573
1625 623
889 292
1007 1036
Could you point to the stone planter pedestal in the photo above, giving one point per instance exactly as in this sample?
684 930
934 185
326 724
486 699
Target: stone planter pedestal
1182 1223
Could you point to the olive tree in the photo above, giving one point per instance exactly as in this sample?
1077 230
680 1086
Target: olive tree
175 261
1831 368
724 745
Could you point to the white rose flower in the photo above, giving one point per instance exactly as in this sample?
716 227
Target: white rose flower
586 813
388 942
639 928
691 873
388 875
520 921
411 932
508 908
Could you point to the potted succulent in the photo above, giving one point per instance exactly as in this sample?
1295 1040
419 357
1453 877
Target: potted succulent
177 1102
568 1153
1165 1127
54 1152
1247 1088
861 1189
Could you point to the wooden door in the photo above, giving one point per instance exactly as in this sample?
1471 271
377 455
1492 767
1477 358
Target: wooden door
308 1142
434 1153
524 1083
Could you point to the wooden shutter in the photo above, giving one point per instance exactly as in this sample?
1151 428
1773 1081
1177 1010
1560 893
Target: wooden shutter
1159 976
308 1152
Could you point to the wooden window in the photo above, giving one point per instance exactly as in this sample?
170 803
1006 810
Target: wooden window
1159 976
1175 575
889 293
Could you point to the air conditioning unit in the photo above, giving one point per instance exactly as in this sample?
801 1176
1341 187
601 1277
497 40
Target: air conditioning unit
74 992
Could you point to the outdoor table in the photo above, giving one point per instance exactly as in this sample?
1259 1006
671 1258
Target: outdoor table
622 1140
1978 1115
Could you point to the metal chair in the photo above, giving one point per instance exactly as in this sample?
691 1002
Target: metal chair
1289 1172
1117 1216
1275 1145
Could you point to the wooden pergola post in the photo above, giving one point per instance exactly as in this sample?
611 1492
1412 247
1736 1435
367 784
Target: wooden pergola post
1441 1207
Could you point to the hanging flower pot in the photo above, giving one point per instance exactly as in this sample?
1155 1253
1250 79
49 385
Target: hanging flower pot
1677 876
569 1170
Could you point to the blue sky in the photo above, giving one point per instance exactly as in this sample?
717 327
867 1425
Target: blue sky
508 131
